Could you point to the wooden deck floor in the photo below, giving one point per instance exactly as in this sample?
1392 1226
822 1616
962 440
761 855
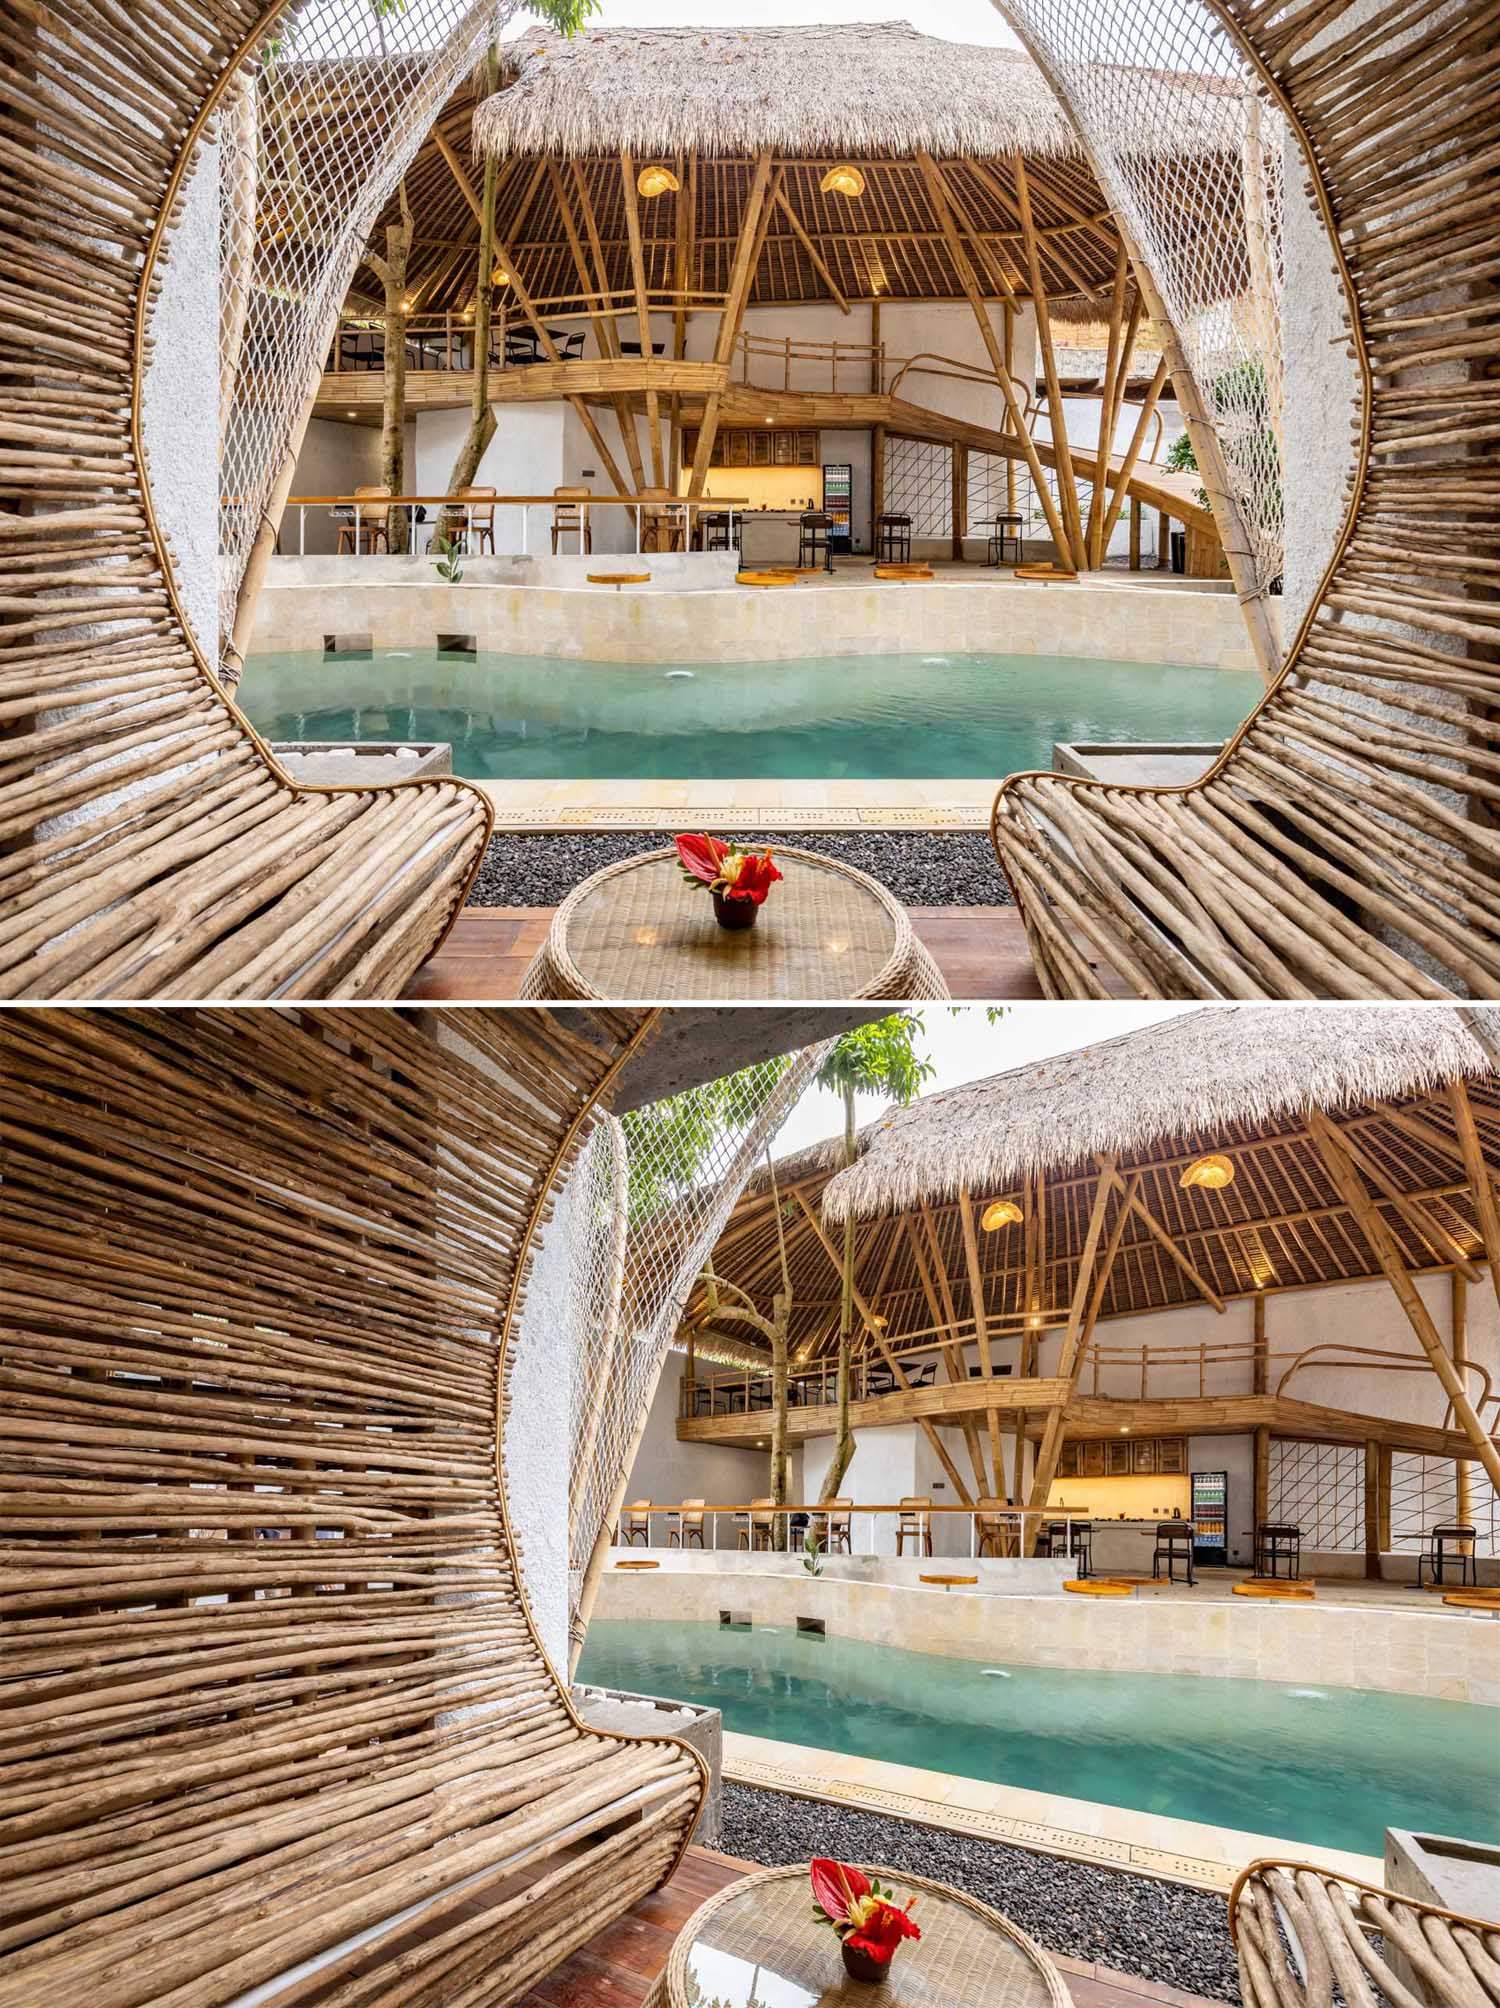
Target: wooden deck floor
981 951
617 1970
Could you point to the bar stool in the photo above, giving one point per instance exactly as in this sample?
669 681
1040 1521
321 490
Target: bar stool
1174 1545
1003 534
1081 1546
1448 1544
812 541
1275 1545
893 539
716 533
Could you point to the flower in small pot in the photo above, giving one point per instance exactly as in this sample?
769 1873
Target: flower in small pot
739 880
867 1919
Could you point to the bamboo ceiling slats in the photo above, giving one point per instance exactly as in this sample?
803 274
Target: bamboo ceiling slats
269 1676
149 846
1345 845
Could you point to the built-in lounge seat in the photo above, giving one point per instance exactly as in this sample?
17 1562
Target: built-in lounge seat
1345 845
149 844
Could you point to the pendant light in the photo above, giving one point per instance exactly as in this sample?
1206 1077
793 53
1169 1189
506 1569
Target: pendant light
1212 1173
843 179
999 1213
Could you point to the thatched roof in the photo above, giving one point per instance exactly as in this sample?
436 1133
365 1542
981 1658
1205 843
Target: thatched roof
1201 1080
866 88
1235 1078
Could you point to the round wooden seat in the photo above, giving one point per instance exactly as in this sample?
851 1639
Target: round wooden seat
1279 1591
637 1565
948 1582
618 579
1099 1586
904 572
787 578
1473 1600
1047 575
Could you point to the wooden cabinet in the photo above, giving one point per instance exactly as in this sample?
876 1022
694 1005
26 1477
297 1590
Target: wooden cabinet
1117 1458
1124 1457
1143 1457
759 446
1171 1456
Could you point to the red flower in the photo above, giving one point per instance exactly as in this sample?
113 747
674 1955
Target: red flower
749 875
701 857
835 1886
882 1931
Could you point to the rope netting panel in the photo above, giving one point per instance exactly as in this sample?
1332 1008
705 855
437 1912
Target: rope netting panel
1206 219
1426 1493
919 484
1319 1487
657 1189
316 133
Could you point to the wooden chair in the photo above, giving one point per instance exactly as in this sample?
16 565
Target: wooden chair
994 1530
333 1734
368 527
1310 859
150 845
685 1527
838 1523
661 526
479 519
759 1530
570 518
914 1523
635 1524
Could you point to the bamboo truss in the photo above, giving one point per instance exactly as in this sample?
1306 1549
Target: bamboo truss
150 846
271 1679
1344 844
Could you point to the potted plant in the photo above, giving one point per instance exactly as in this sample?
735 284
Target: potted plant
867 1920
739 880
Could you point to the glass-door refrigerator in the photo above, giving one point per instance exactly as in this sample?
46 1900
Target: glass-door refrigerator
1210 1511
838 506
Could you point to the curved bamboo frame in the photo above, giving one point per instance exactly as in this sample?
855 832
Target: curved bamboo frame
1334 1919
1341 845
271 1678
215 874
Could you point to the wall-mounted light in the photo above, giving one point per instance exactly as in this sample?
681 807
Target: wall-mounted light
657 181
999 1213
1213 1172
843 180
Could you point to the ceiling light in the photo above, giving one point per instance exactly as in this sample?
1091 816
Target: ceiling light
1213 1172
843 180
879 1323
657 181
999 1213
500 276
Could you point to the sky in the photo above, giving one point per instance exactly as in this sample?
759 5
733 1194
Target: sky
954 20
963 1046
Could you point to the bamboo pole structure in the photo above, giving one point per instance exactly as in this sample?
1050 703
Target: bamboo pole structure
1458 1331
643 314
742 273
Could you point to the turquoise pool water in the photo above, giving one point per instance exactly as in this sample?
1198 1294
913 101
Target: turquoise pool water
1330 1765
859 718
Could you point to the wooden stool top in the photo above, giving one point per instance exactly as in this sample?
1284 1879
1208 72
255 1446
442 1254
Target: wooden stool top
637 1565
948 1581
1099 1586
618 579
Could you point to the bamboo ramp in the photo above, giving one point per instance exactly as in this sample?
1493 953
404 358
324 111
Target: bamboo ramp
1345 844
273 1712
150 846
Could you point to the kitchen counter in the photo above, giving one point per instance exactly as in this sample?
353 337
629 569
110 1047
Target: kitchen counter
769 536
1121 1546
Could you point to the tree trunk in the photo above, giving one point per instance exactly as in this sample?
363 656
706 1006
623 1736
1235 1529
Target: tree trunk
843 1454
391 272
780 1318
481 413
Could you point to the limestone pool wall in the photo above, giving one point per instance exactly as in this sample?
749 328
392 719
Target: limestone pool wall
1445 1655
678 621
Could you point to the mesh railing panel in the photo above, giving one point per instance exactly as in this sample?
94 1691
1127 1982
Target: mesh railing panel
653 1208
1319 1487
316 134
919 484
1206 215
1425 1494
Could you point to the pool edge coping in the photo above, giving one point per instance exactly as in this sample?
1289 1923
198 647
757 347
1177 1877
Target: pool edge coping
1106 1836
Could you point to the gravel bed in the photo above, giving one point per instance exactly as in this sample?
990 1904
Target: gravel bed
920 867
1157 1930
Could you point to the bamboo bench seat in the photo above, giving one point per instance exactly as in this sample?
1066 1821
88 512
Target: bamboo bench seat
150 846
1344 845
276 1714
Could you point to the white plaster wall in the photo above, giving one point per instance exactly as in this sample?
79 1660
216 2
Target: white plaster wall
180 402
336 458
525 457
669 1471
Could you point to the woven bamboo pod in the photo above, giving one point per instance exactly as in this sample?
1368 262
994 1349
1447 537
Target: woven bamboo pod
1344 845
150 846
1300 1933
274 1710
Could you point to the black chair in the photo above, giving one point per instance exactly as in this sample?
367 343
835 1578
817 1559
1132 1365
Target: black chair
1446 1545
634 348
1278 1551
812 541
893 539
1174 1546
1007 530
522 348
718 532
1081 1546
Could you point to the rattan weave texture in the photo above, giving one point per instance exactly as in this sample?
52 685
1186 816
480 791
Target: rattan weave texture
968 1956
636 931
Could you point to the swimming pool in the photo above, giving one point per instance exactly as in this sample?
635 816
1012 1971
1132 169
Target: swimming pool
858 718
1328 1765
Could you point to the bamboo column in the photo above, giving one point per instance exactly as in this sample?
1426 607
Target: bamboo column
981 1330
960 485
1259 1360
1458 1335
1262 1477
1116 370
624 414
642 310
943 1315
1067 486
1477 1171
741 275
1372 1511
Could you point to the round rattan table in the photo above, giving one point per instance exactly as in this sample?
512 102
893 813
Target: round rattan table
638 931
757 1945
